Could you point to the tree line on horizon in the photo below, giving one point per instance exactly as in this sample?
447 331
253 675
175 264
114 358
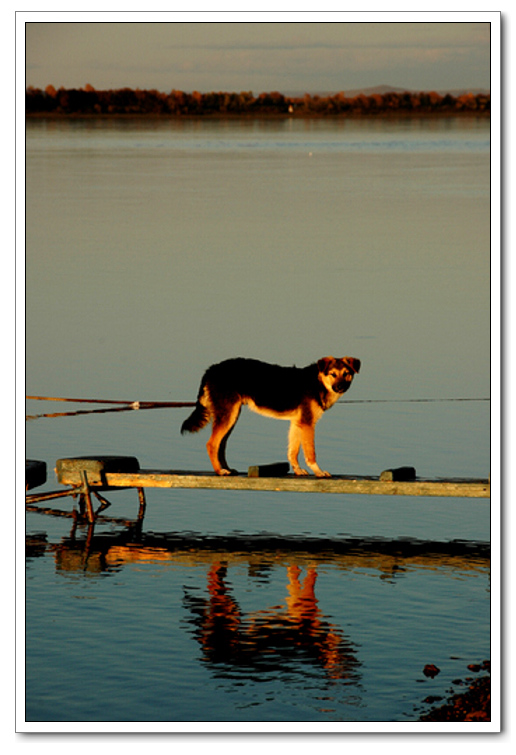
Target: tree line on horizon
126 101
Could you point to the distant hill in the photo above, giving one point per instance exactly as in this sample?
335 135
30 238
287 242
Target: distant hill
459 92
384 88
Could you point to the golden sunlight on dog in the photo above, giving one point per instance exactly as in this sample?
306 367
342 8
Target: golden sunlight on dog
300 395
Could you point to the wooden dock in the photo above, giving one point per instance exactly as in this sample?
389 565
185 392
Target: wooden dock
339 484
89 476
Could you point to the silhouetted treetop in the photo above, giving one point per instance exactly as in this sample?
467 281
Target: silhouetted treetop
90 101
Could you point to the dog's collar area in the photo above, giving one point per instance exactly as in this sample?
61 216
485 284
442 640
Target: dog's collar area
327 398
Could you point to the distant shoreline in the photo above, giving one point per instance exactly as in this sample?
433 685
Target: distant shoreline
136 103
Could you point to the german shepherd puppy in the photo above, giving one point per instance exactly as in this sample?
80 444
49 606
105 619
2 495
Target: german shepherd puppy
300 395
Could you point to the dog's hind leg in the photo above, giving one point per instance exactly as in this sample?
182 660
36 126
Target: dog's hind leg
223 444
216 445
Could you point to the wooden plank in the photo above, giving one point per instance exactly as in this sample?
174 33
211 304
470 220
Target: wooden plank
86 497
69 471
125 472
339 484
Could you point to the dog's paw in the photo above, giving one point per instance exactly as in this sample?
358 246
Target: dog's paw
300 472
322 473
223 472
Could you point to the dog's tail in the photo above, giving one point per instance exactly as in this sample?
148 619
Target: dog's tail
197 420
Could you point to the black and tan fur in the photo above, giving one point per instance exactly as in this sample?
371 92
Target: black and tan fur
300 395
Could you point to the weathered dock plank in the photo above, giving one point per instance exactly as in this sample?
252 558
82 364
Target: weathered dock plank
125 472
148 478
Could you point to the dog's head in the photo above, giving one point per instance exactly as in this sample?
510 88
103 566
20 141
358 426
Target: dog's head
337 374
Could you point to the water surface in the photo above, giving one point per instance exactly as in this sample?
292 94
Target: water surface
157 248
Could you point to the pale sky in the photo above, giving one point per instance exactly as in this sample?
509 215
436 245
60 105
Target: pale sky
259 57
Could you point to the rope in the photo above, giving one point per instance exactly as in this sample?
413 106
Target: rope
125 406
136 405
408 400
133 404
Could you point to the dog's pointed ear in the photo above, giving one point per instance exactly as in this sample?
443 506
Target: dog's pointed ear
324 365
353 363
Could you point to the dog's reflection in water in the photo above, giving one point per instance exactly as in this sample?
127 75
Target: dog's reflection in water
278 638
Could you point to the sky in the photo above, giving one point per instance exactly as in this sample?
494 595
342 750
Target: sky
290 57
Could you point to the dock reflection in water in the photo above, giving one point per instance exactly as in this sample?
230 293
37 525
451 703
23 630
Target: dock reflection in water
291 640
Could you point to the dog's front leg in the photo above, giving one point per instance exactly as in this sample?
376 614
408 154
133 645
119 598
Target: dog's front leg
301 434
307 435
294 444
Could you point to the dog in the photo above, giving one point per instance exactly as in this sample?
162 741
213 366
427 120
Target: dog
298 394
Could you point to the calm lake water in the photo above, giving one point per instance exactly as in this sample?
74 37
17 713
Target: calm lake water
154 249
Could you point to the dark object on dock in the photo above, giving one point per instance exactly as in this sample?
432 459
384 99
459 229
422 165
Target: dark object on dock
69 471
35 474
279 469
400 474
